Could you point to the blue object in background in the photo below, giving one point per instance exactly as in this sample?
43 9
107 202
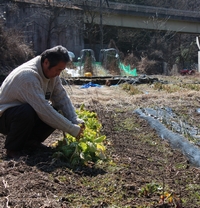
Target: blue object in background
90 84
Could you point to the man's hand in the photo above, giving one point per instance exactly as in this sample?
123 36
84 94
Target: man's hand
82 125
82 128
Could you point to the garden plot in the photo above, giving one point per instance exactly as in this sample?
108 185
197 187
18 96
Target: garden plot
174 130
143 170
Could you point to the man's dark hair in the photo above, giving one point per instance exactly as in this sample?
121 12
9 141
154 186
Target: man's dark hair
55 55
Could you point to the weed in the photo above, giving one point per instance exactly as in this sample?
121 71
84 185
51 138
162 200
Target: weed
170 198
62 178
190 86
149 189
166 87
131 89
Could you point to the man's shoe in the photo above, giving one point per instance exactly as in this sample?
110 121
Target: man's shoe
14 154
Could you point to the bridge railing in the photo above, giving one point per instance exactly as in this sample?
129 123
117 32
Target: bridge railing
47 2
140 8
155 10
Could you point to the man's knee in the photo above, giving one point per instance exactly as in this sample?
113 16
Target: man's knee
29 111
26 111
20 118
21 113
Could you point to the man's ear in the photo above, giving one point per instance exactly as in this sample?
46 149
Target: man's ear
46 63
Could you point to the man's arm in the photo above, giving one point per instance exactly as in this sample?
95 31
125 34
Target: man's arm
61 100
33 94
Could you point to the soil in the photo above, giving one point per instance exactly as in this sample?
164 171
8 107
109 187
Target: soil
141 166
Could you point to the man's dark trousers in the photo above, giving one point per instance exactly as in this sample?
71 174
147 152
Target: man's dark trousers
21 124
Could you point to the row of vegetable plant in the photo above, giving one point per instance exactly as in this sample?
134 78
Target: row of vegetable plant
89 148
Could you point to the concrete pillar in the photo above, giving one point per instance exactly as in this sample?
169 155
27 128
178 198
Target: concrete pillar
174 70
165 68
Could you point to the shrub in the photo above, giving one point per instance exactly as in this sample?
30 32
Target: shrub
13 50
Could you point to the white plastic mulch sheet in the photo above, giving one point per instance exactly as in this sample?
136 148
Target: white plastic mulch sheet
161 119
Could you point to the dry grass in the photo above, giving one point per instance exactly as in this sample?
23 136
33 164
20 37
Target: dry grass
149 96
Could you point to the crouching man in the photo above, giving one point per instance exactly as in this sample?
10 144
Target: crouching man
28 99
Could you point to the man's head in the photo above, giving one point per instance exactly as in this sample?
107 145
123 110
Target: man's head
54 60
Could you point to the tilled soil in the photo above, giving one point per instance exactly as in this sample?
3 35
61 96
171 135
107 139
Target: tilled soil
140 168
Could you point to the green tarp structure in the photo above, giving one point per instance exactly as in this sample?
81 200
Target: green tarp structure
76 63
128 70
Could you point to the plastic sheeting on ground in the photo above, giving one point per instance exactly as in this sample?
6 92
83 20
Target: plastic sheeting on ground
90 84
166 115
73 72
177 141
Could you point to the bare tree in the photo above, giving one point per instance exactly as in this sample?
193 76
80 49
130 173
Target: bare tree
94 26
58 22
47 23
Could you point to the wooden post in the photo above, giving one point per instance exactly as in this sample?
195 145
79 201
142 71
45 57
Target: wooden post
197 41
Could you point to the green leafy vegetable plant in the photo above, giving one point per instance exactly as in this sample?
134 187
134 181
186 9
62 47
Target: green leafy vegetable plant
89 148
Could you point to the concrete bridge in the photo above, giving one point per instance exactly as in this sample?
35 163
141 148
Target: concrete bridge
146 17
132 16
